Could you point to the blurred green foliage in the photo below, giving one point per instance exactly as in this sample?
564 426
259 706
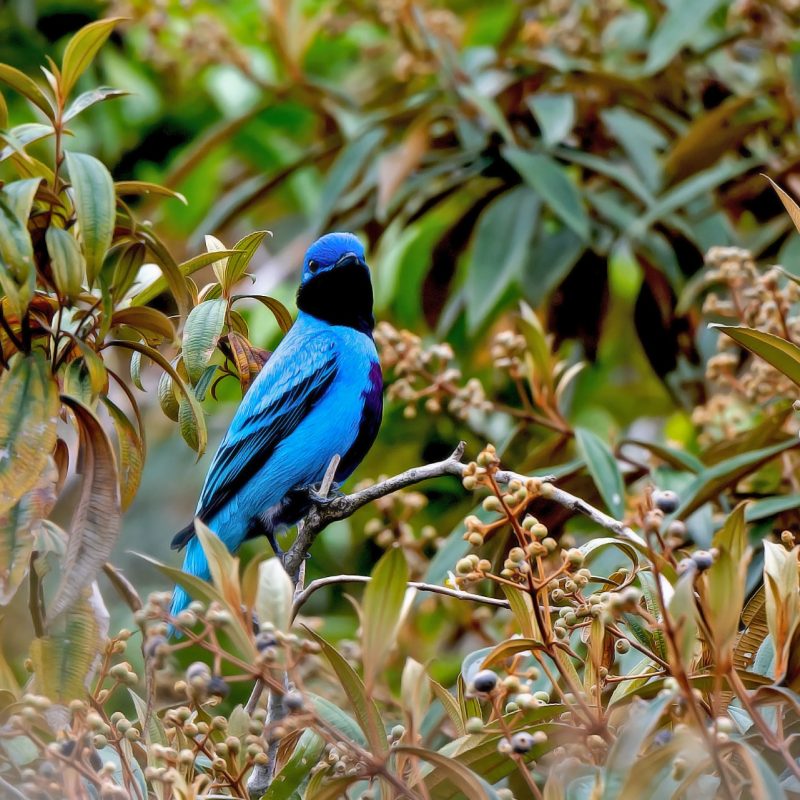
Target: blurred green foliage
575 160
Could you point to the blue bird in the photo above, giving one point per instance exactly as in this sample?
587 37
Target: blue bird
320 394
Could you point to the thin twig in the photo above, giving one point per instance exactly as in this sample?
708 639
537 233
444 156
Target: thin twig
301 597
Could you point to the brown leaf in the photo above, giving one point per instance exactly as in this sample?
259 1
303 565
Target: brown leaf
96 521
396 165
27 425
18 528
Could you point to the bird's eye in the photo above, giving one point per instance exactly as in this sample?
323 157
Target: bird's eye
313 266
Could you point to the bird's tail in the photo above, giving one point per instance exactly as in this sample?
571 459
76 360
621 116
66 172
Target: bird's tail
194 563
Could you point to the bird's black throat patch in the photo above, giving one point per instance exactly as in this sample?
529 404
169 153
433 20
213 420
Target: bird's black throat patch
340 296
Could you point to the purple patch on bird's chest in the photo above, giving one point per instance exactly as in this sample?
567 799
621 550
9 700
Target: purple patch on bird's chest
373 394
371 413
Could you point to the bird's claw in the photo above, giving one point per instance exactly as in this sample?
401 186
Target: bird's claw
318 499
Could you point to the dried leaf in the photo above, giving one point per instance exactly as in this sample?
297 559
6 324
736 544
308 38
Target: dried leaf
18 526
96 521
27 425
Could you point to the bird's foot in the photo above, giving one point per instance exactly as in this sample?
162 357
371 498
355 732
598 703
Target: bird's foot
273 543
318 499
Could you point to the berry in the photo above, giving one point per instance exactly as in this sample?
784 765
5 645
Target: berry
702 559
264 640
218 687
485 681
666 500
293 701
197 669
521 742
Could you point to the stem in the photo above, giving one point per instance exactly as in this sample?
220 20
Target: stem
302 597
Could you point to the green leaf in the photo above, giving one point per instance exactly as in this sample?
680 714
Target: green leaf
764 784
682 611
555 114
21 135
550 181
128 262
603 468
145 187
770 507
367 714
641 140
297 768
193 424
131 454
338 718
491 111
97 517
480 753
450 706
90 98
274 595
25 86
682 22
678 459
710 482
16 249
20 195
238 263
382 604
27 425
167 399
678 197
81 50
95 206
549 260
153 325
66 262
345 169
278 309
204 326
415 692
623 755
448 769
502 243
223 566
783 355
726 582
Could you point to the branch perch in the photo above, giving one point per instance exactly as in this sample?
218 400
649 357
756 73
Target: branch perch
320 516
323 514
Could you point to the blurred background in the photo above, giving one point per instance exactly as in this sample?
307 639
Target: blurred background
578 157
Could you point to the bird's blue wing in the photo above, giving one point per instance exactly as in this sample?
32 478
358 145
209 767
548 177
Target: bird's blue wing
295 380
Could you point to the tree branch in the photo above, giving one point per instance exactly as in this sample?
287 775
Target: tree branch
301 597
320 516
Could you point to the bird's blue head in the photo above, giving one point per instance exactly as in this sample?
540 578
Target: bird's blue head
335 285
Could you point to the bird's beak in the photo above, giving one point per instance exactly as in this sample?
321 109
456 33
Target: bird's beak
350 259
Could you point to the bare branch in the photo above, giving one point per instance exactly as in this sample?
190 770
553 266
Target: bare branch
345 506
301 597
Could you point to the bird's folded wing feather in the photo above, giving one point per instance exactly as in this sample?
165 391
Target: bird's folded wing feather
291 387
